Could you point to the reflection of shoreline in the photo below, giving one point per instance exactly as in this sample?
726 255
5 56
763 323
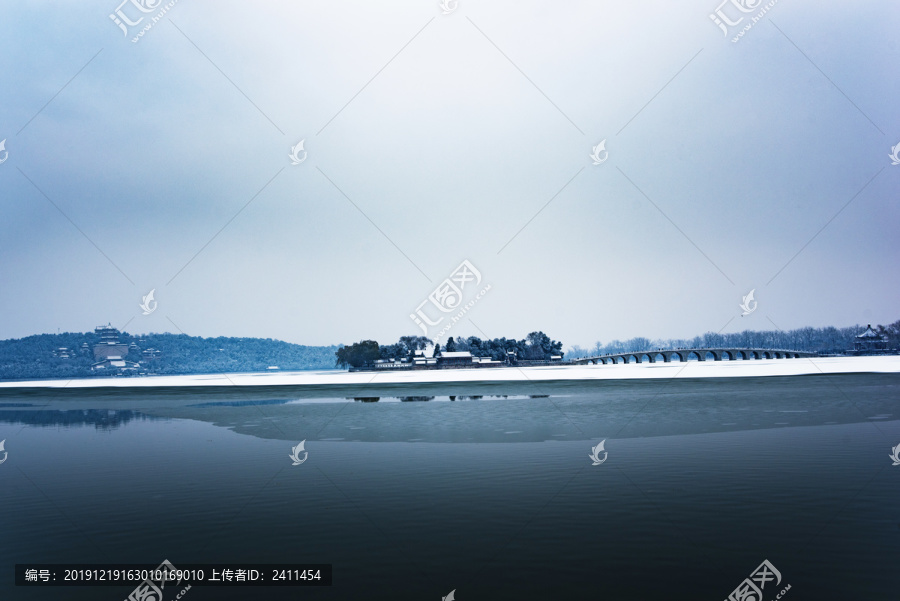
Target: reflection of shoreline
562 411
101 419
493 412
451 397
326 381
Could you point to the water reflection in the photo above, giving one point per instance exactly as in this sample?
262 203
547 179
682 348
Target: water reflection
101 419
240 403
487 413
414 398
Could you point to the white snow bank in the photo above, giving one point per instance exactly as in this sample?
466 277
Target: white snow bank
690 369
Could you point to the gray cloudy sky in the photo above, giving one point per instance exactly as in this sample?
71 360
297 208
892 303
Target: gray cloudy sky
433 138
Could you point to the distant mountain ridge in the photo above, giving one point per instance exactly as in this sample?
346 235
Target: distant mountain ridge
70 355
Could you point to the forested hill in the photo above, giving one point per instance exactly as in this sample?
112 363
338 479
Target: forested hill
39 356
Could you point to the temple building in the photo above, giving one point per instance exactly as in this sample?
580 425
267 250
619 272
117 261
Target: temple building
150 354
870 342
109 353
421 360
109 345
446 360
464 359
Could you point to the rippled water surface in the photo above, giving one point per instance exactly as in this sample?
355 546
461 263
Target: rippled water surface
411 492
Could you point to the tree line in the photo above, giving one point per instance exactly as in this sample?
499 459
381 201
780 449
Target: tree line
828 340
537 346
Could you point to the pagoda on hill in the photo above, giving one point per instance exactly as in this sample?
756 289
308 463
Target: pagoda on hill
109 353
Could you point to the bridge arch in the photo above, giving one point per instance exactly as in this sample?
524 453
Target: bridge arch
695 354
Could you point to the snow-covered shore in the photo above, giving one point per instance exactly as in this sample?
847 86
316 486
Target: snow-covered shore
691 369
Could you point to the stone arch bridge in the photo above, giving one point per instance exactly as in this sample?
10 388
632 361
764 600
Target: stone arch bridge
694 354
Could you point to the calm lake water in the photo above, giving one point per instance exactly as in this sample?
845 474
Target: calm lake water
489 491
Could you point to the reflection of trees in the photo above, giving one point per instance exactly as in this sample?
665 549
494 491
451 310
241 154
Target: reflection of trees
101 419
238 403
410 399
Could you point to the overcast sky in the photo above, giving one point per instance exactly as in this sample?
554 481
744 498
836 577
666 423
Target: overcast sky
431 138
